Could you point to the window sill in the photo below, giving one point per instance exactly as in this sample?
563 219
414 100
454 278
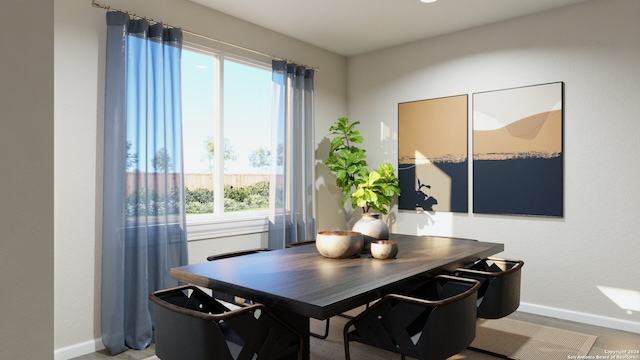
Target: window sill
202 227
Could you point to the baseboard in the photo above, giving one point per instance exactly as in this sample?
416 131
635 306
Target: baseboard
596 320
76 350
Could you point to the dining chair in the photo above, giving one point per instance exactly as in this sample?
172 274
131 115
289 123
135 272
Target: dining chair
228 297
434 322
190 324
499 294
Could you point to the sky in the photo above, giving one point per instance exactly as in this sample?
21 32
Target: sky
247 110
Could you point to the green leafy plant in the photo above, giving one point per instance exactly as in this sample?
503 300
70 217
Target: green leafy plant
369 190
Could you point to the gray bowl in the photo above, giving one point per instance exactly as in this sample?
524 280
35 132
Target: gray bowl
384 249
339 244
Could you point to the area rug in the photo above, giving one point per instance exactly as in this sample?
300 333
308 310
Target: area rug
525 340
517 339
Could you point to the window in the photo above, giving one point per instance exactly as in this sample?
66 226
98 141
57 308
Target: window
226 120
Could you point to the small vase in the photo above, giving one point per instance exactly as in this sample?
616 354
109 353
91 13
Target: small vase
372 228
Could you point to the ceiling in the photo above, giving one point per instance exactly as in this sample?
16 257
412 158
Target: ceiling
352 27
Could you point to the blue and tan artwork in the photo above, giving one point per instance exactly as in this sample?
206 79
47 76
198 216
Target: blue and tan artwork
518 151
433 167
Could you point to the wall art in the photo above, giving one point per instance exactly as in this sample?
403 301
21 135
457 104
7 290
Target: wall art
433 166
518 151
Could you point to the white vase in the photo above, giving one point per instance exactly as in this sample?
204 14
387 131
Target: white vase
372 228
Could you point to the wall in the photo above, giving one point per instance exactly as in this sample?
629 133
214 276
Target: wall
79 83
595 49
26 180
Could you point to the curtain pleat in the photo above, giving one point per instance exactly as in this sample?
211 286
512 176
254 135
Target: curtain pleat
144 222
292 216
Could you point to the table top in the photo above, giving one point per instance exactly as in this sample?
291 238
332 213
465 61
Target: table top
300 280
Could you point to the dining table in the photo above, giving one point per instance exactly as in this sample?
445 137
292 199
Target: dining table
297 283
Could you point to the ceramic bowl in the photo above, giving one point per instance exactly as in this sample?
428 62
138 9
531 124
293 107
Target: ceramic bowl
339 244
384 249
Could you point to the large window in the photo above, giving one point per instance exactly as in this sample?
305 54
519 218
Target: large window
226 114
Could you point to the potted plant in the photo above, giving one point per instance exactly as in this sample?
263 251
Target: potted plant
369 190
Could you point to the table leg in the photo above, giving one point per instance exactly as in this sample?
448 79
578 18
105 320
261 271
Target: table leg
301 324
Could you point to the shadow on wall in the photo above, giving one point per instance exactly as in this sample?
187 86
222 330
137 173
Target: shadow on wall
330 213
329 198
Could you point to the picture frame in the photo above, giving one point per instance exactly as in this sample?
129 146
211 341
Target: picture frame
518 151
433 167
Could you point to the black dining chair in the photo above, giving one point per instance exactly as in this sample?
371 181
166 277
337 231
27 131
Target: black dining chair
435 322
228 297
190 324
499 294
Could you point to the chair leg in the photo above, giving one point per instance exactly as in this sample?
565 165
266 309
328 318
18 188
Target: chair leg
326 331
494 354
347 356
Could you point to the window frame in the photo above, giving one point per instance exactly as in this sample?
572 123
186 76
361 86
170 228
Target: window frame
219 223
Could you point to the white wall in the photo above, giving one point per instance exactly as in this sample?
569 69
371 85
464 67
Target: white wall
26 179
79 82
594 47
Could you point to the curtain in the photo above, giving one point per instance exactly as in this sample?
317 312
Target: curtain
292 215
144 223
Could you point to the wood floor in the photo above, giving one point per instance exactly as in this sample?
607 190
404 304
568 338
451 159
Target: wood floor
608 340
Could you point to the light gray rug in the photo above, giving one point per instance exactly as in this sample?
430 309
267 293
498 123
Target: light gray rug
524 340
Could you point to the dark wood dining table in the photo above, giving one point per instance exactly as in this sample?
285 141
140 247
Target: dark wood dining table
298 283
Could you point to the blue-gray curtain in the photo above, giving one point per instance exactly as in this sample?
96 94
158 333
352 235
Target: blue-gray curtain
144 223
292 216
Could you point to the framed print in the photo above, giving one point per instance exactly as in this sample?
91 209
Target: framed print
433 167
518 151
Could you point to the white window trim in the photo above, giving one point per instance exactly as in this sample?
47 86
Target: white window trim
208 226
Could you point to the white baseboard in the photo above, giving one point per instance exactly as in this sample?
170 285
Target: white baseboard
597 320
76 350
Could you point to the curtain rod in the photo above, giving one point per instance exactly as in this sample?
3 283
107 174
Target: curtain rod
96 4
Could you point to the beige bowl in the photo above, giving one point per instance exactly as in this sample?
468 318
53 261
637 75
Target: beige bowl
339 244
384 249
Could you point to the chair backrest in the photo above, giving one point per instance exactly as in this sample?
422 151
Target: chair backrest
189 324
235 253
451 324
435 322
300 243
499 295
179 335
